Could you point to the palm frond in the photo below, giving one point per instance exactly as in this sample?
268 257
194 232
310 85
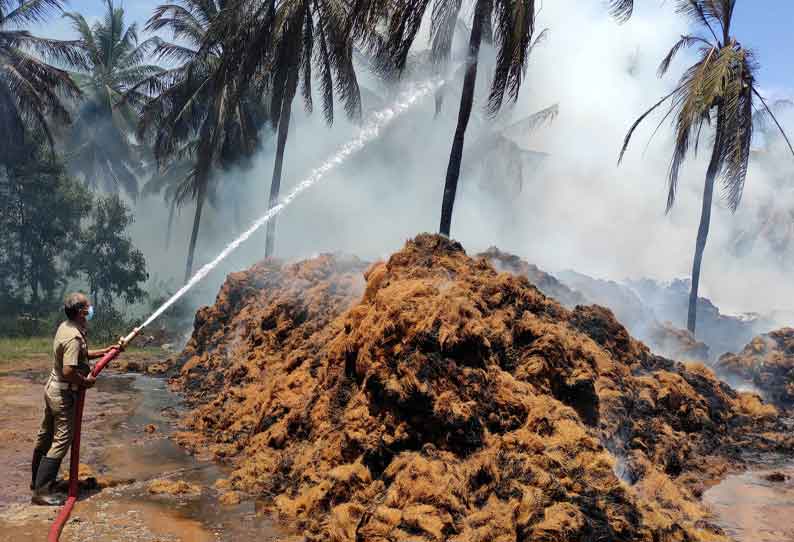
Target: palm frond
182 22
137 52
172 52
621 10
532 122
86 39
736 107
639 120
306 59
684 42
774 117
515 26
704 12
325 66
403 25
32 87
30 11
130 77
444 21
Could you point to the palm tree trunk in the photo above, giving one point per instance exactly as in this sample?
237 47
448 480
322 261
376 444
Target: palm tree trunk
170 223
202 192
705 221
206 149
466 102
34 289
275 185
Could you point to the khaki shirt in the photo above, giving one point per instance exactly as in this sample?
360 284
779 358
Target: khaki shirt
69 349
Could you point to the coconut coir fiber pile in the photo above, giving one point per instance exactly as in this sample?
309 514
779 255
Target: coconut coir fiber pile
440 400
662 337
767 362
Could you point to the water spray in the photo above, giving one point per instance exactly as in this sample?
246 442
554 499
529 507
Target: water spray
371 130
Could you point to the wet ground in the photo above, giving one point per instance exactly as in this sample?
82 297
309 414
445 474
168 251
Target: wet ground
118 448
756 506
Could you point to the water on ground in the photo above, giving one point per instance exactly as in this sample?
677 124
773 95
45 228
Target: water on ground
751 507
117 447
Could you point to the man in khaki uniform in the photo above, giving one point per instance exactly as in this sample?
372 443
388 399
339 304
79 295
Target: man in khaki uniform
70 372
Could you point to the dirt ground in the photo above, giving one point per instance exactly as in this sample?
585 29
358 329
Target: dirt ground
127 421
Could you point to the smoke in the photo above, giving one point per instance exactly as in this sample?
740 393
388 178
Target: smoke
576 209
369 132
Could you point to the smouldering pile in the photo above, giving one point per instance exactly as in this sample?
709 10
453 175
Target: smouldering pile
663 337
442 400
767 362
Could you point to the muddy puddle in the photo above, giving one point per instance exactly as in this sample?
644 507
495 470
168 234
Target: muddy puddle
756 506
156 456
119 446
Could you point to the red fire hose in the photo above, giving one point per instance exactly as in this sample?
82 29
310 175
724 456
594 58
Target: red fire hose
74 464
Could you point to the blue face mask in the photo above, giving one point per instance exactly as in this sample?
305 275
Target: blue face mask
90 314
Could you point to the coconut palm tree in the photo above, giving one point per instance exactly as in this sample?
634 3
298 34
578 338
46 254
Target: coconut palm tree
300 40
31 90
508 25
197 115
719 90
101 148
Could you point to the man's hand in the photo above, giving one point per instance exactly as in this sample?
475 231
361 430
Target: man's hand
120 346
89 381
94 354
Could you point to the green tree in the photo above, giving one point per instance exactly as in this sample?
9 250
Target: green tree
198 115
31 90
101 147
719 90
106 256
41 209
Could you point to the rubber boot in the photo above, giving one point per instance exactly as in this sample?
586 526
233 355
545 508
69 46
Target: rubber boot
45 478
34 467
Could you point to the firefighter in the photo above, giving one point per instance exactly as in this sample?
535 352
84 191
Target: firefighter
70 372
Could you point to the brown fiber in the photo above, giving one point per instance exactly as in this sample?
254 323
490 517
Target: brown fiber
767 362
432 398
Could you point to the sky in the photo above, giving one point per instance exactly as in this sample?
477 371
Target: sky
765 25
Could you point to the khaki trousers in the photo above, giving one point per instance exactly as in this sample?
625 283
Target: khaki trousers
57 425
